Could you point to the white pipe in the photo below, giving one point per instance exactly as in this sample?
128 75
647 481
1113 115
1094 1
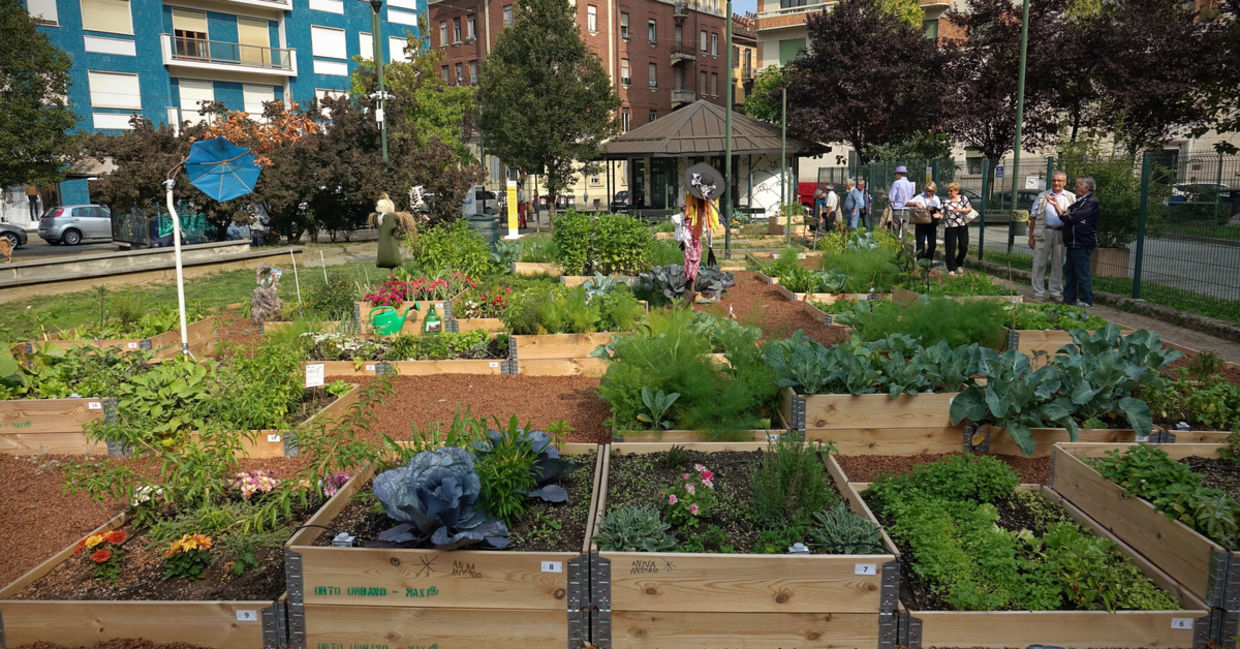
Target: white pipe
296 279
176 246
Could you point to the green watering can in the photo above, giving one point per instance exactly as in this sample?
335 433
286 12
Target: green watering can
387 321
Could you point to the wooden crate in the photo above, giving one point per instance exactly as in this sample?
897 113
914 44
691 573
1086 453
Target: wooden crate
215 624
200 335
1206 569
489 325
38 426
414 597
533 268
415 320
559 354
1080 629
410 368
762 601
874 423
831 298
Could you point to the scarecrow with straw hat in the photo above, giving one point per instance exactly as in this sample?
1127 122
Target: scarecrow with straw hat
702 185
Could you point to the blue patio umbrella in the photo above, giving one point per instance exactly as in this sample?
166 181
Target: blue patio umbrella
221 169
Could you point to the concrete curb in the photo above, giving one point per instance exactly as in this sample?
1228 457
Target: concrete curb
1213 326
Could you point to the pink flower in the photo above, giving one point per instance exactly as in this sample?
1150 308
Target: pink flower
684 477
699 467
693 509
672 499
690 488
707 474
709 484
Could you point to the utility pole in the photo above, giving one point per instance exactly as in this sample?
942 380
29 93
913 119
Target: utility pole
1020 112
727 138
377 39
783 163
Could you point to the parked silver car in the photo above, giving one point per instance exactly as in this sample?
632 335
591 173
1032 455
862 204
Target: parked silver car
73 224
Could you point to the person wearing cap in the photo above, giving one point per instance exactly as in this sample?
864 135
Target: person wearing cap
926 232
902 189
1046 237
826 208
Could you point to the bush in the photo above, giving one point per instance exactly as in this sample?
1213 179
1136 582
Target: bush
930 320
1118 192
607 244
865 268
554 308
451 246
792 483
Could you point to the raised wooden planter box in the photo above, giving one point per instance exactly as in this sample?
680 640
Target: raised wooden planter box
904 297
200 335
215 624
669 436
537 268
1206 569
578 280
831 298
874 423
1040 345
411 368
558 354
489 325
737 600
39 426
414 322
1188 627
354 597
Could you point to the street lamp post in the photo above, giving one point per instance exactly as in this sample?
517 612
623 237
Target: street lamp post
376 38
727 138
1020 113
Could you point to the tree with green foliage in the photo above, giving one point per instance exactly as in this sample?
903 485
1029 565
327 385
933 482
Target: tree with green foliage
546 103
432 107
764 102
35 119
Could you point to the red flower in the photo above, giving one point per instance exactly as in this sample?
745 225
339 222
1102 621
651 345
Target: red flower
100 556
115 537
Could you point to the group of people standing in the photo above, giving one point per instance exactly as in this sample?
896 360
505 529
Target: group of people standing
1063 230
856 209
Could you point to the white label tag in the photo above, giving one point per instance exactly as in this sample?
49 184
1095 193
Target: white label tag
370 368
492 364
274 439
772 437
94 405
800 255
552 566
131 345
247 615
1182 623
314 374
865 569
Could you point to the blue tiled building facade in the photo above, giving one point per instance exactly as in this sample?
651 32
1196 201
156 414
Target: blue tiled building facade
161 59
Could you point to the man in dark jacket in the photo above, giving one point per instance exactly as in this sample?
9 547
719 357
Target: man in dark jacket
1080 237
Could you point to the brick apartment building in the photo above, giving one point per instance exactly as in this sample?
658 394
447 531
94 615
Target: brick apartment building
660 55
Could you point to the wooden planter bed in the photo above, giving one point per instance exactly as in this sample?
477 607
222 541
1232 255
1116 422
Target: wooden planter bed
903 297
831 298
215 624
915 629
577 280
489 325
354 597
677 436
558 354
200 335
411 368
1206 569
416 319
537 268
731 600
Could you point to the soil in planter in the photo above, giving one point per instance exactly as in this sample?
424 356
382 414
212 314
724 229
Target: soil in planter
638 479
755 302
539 400
868 468
546 527
142 571
1217 473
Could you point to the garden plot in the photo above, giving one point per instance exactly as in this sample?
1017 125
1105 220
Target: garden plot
472 352
1049 574
424 592
693 542
200 335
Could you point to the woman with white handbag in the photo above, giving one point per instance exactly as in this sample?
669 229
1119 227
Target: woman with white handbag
956 217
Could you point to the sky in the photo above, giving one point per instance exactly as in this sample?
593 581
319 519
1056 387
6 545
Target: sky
741 6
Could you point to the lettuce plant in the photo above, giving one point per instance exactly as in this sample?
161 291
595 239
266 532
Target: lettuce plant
435 499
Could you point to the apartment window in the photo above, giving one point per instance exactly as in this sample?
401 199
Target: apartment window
471 27
507 14
654 75
932 29
443 33
399 50
654 114
714 44
327 42
680 35
702 86
44 10
592 19
193 95
254 41
702 40
789 4
459 68
107 16
624 120
714 84
456 30
473 73
652 28
624 72
114 90
624 25
365 46
444 73
736 57
189 31
254 96
790 49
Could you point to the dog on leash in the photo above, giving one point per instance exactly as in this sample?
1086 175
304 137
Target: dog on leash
6 249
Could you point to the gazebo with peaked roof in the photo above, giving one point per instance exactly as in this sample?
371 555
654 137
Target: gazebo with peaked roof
659 151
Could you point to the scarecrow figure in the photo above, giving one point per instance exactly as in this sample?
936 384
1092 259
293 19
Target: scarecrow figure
391 224
701 219
265 304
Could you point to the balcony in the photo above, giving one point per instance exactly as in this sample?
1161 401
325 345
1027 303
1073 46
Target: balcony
680 10
747 73
682 54
681 96
279 5
203 54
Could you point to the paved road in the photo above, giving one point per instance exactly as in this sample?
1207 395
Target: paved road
36 248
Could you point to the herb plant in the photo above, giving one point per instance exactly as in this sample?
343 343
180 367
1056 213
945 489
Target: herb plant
634 529
792 482
837 530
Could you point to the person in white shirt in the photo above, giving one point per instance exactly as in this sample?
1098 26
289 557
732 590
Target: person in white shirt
926 232
1046 237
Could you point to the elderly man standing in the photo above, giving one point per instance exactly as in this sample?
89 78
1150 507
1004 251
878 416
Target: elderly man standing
1080 237
902 189
1046 238
852 207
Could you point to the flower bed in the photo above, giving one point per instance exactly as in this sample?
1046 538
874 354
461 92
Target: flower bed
731 596
977 555
201 335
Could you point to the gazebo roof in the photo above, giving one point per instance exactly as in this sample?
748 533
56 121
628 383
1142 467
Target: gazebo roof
698 130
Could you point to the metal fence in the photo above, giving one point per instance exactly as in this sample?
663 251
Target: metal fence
1176 219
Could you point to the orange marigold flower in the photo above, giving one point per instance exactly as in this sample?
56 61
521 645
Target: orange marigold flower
116 536
101 556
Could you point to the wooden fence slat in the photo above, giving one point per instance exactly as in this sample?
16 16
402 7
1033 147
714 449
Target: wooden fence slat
85 623
1080 629
362 626
680 630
